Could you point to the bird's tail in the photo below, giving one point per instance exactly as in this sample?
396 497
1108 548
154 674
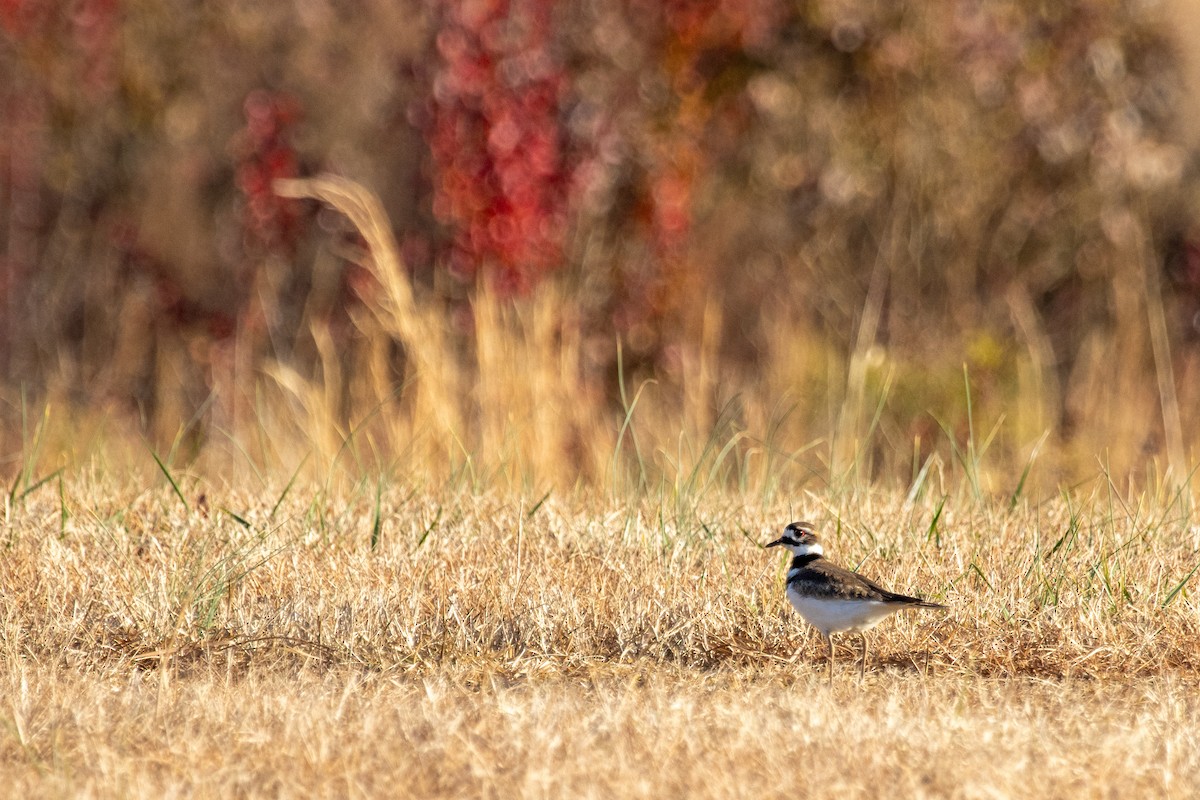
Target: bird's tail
915 602
927 604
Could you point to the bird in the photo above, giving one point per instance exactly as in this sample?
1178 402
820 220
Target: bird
833 599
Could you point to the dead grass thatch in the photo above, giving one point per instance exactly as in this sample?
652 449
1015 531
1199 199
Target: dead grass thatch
387 639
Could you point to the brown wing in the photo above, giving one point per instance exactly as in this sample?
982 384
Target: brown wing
896 597
823 578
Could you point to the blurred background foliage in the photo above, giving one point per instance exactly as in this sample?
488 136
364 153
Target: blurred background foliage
739 238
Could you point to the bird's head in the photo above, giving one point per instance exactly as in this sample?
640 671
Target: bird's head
799 538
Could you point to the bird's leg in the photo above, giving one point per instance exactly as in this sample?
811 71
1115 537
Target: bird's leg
832 656
862 669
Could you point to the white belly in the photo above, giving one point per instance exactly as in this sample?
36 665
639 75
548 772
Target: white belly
830 615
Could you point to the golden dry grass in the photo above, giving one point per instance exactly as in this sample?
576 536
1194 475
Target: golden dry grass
489 645
659 731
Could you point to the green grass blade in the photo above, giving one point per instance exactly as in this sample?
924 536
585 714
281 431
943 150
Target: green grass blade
38 484
377 519
432 526
240 520
64 514
975 568
538 504
934 532
171 480
290 483
1033 454
1179 588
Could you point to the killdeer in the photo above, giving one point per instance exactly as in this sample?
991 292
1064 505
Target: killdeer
833 599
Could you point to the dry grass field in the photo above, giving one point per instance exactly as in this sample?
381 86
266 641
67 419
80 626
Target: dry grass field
384 639
422 440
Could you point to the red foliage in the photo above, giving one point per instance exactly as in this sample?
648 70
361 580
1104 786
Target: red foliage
94 29
506 176
265 154
696 45
500 177
18 17
91 25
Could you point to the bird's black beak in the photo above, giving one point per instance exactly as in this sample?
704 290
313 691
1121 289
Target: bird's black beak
775 543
